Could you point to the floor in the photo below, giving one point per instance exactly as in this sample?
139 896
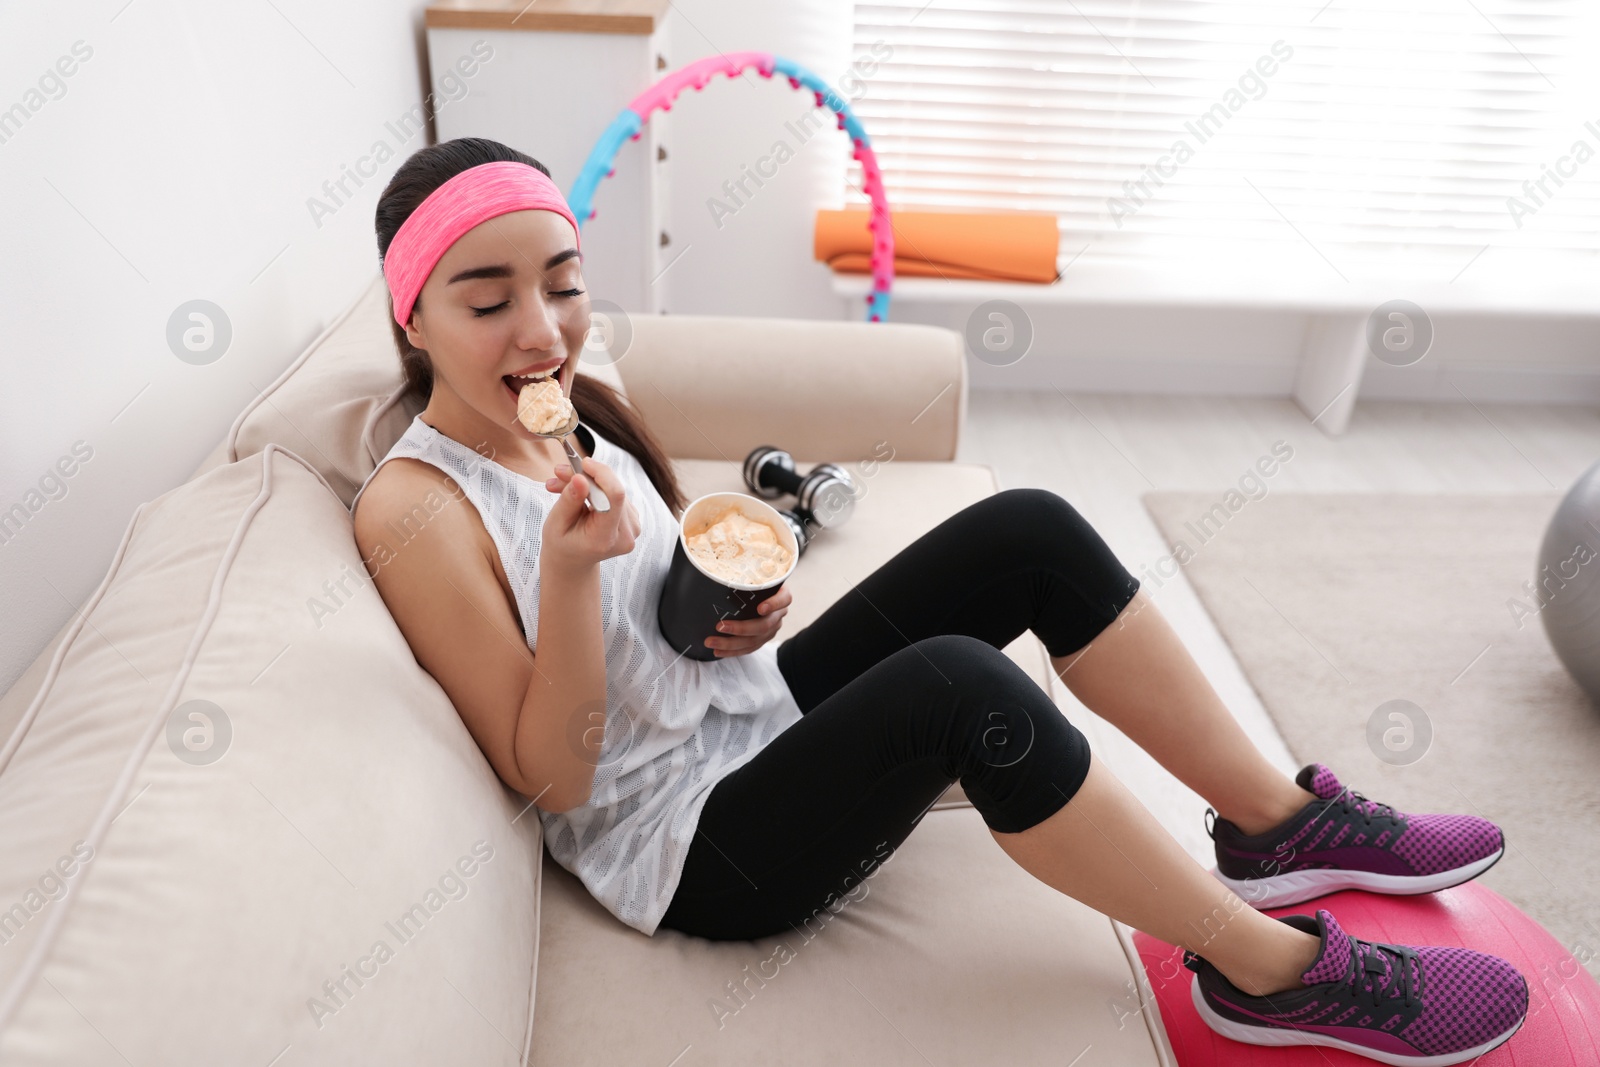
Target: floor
1101 452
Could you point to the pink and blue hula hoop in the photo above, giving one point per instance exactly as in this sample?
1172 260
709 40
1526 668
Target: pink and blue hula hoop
630 122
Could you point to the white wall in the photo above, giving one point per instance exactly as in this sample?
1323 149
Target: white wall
758 261
175 163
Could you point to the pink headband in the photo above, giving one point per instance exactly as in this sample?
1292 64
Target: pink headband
467 199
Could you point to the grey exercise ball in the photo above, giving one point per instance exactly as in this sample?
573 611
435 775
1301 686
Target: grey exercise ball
1569 575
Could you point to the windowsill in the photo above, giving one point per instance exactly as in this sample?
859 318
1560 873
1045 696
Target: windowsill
1570 289
1334 350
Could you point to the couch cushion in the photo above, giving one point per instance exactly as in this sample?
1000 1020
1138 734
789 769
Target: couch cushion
947 953
187 912
339 404
716 386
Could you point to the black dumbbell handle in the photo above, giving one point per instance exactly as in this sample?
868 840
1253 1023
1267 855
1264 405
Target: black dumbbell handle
784 479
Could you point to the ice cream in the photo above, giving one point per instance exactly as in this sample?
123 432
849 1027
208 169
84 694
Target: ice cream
733 548
542 407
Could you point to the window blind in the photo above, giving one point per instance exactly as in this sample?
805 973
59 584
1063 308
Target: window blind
1370 138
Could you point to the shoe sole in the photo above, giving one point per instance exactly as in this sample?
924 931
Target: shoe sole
1264 1035
1295 887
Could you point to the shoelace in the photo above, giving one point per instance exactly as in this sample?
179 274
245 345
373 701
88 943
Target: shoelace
1375 960
1350 800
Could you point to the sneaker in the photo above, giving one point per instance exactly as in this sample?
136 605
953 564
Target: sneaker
1420 1007
1342 840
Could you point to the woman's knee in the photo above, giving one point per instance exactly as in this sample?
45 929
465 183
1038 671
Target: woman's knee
971 661
961 700
1043 530
982 685
1019 758
1001 704
1038 524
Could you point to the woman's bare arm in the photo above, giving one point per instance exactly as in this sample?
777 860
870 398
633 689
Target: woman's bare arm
540 724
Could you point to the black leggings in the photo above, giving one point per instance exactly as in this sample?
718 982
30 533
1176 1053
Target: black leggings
905 689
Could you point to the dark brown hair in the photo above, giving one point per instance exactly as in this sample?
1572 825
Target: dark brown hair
601 407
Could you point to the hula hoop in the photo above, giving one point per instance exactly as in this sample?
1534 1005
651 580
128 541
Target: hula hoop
629 124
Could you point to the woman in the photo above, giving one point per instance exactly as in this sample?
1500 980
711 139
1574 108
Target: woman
734 798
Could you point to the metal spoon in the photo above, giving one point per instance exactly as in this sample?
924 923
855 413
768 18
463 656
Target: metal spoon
597 497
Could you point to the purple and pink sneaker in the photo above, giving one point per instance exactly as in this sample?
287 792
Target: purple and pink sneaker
1342 840
1418 1007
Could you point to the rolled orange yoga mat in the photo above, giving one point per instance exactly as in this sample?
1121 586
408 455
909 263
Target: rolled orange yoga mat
1017 246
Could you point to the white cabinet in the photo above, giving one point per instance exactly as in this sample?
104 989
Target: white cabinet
546 79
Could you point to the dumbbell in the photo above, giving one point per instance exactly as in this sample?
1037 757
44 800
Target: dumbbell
825 497
797 523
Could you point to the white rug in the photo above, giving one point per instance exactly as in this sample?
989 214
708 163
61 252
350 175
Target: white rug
1336 604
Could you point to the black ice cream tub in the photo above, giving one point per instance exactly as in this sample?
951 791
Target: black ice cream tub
692 601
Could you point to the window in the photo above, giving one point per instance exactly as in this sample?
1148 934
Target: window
1341 138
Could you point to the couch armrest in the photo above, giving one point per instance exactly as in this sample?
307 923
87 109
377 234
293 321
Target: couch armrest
715 387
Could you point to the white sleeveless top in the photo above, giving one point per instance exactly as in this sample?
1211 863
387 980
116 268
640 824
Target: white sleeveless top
675 726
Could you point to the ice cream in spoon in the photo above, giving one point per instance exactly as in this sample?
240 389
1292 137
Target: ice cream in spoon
542 407
545 410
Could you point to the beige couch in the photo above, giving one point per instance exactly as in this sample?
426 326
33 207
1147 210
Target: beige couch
242 825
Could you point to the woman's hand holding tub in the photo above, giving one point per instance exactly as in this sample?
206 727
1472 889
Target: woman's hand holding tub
738 637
